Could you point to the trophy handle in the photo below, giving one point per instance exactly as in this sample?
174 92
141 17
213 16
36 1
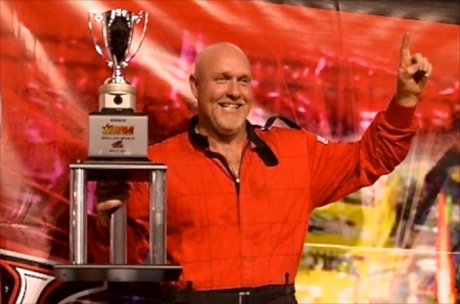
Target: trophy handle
141 16
95 17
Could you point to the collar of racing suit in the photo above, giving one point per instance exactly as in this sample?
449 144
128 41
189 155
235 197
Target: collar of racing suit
262 149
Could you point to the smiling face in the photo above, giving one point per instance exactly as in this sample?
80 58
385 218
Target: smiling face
222 86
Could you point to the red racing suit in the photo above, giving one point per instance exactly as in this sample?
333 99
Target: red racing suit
229 232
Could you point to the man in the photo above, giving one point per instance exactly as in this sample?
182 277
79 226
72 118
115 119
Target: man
239 197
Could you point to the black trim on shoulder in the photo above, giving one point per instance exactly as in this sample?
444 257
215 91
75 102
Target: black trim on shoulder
264 151
287 121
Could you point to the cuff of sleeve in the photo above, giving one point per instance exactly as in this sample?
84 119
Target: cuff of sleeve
399 116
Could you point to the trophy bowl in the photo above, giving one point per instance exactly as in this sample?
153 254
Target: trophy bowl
112 32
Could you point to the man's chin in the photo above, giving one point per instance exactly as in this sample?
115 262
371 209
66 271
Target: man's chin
229 130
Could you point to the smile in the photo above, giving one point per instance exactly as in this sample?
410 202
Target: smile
230 105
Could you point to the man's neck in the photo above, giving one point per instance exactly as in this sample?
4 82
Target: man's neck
221 143
231 149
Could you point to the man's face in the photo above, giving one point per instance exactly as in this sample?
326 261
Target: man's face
222 86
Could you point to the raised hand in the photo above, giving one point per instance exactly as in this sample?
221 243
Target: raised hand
412 75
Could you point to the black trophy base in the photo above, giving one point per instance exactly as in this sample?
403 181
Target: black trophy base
117 273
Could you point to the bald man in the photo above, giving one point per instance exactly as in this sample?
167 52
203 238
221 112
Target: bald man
239 196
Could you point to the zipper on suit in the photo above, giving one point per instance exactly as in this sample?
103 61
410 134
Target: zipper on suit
235 177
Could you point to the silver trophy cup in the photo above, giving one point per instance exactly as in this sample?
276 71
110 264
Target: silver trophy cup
116 30
116 131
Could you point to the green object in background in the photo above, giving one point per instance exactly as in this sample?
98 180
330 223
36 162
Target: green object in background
449 207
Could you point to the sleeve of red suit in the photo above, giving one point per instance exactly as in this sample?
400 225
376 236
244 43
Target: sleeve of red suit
339 169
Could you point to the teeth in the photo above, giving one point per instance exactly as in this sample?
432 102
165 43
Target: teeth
230 105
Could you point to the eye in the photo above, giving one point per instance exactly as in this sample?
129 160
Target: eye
221 79
245 80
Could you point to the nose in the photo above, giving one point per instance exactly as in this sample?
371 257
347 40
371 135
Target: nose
234 90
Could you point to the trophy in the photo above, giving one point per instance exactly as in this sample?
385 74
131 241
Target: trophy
117 33
117 142
117 131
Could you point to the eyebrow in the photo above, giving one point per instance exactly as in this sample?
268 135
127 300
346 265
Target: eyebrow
244 75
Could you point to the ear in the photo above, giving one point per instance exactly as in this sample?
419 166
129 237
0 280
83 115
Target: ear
193 83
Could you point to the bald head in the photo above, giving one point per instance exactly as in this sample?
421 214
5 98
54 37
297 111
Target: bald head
221 84
216 51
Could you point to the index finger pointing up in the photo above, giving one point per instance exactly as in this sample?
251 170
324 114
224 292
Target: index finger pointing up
405 52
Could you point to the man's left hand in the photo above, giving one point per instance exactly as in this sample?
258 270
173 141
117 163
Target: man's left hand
412 75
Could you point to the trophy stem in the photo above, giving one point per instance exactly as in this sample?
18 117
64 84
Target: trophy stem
117 77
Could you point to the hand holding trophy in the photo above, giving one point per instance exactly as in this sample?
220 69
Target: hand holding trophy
118 143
